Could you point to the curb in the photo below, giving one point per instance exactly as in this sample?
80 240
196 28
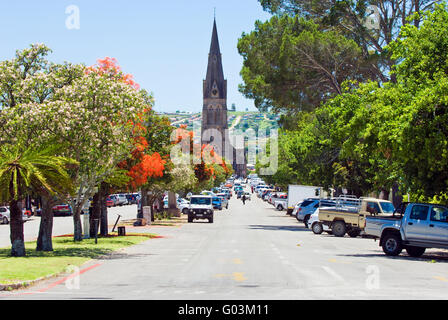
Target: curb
26 284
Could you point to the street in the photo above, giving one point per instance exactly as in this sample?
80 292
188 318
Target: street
251 252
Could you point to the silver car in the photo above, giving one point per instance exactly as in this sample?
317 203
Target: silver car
224 199
308 207
5 215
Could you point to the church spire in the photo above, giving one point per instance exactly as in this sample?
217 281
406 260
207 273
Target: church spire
214 47
215 84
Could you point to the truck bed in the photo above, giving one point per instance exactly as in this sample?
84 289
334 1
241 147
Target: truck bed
375 224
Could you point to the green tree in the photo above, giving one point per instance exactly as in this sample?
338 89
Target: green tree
23 171
292 65
372 24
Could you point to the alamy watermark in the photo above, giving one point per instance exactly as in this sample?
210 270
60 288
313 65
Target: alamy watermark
73 20
73 281
372 20
373 277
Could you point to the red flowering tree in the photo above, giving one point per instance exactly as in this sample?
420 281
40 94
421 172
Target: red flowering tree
212 167
143 163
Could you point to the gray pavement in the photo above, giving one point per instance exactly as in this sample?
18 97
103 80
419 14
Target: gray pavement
251 252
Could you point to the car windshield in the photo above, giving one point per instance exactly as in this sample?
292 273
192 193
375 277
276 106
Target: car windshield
205 201
387 207
307 203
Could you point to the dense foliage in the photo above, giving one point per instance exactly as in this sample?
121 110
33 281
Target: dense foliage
374 135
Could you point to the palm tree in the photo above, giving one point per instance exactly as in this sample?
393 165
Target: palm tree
27 170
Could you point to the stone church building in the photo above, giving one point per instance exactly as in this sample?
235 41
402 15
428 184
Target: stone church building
215 130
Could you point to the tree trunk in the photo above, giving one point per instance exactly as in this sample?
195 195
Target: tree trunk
144 199
397 198
96 214
77 234
104 229
44 240
172 205
16 227
147 202
384 195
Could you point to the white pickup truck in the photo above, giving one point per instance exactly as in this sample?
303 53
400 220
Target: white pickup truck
413 226
281 204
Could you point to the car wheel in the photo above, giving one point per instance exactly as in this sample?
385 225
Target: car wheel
392 245
415 251
339 229
317 228
210 220
354 233
185 211
5 220
280 207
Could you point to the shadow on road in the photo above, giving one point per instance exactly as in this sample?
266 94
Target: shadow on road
427 257
278 228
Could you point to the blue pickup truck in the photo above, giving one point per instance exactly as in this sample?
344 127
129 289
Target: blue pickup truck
413 227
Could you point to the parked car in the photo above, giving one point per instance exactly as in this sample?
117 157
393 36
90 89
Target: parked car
316 225
276 195
122 200
225 200
281 204
208 193
217 203
62 210
110 202
183 206
349 214
114 198
132 198
5 215
266 193
228 193
413 226
309 206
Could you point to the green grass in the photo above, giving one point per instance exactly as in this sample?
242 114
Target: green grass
66 253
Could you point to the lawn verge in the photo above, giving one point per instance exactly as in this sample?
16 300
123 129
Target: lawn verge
16 273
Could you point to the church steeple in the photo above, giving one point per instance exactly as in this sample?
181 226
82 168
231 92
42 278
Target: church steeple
215 85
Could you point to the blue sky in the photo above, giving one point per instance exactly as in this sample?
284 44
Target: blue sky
164 44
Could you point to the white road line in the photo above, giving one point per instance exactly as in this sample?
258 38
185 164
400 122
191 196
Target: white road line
333 273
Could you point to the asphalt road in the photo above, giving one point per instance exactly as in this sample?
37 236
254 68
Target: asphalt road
251 252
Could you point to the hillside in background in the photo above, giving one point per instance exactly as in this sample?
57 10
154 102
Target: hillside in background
238 120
